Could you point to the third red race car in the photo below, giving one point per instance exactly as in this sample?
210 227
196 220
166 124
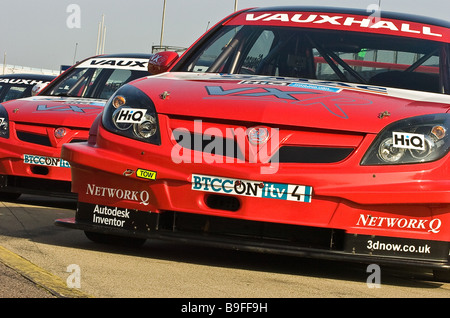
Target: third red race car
33 129
15 86
311 132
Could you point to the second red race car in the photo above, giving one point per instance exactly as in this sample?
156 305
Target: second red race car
311 132
33 129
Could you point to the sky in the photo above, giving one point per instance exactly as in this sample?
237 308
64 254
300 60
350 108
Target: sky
50 33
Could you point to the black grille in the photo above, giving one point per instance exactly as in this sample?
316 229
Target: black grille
37 139
244 230
222 202
228 147
209 144
34 138
295 154
29 185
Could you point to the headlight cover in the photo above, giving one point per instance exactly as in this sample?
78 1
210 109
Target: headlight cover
4 122
131 113
414 140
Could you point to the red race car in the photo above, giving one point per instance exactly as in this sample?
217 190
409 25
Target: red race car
33 129
286 130
15 86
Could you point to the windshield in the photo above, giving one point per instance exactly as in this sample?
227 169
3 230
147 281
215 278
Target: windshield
99 83
357 57
9 92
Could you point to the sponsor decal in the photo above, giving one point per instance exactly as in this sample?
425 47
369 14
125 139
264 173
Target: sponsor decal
255 92
1 120
345 22
110 216
142 197
257 189
115 217
408 140
20 81
379 90
396 247
45 161
146 174
66 108
64 101
130 116
325 86
316 87
377 245
116 63
427 225
331 102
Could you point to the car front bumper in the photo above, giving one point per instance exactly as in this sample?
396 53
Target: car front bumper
381 214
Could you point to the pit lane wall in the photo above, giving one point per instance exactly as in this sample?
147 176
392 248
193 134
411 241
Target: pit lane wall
6 69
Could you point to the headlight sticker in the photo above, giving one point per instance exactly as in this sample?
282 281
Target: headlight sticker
408 140
130 116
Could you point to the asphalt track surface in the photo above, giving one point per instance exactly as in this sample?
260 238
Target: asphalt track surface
20 278
15 285
34 254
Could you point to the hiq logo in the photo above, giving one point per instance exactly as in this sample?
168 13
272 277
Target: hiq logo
408 140
130 116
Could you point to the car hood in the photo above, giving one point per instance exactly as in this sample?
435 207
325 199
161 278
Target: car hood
54 110
287 101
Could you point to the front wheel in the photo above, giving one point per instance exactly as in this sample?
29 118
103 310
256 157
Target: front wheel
9 196
114 239
442 275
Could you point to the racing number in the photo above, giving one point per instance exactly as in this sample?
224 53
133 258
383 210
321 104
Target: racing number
295 194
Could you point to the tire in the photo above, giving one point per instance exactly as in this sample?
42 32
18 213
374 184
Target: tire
442 275
9 196
114 239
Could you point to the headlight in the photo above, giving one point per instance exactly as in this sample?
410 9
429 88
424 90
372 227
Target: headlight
131 113
4 123
413 140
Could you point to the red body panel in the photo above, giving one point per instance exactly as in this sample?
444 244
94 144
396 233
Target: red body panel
342 194
40 116
269 101
221 195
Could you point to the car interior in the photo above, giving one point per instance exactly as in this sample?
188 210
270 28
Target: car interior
354 57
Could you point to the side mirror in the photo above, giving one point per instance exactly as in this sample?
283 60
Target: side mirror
38 88
161 62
